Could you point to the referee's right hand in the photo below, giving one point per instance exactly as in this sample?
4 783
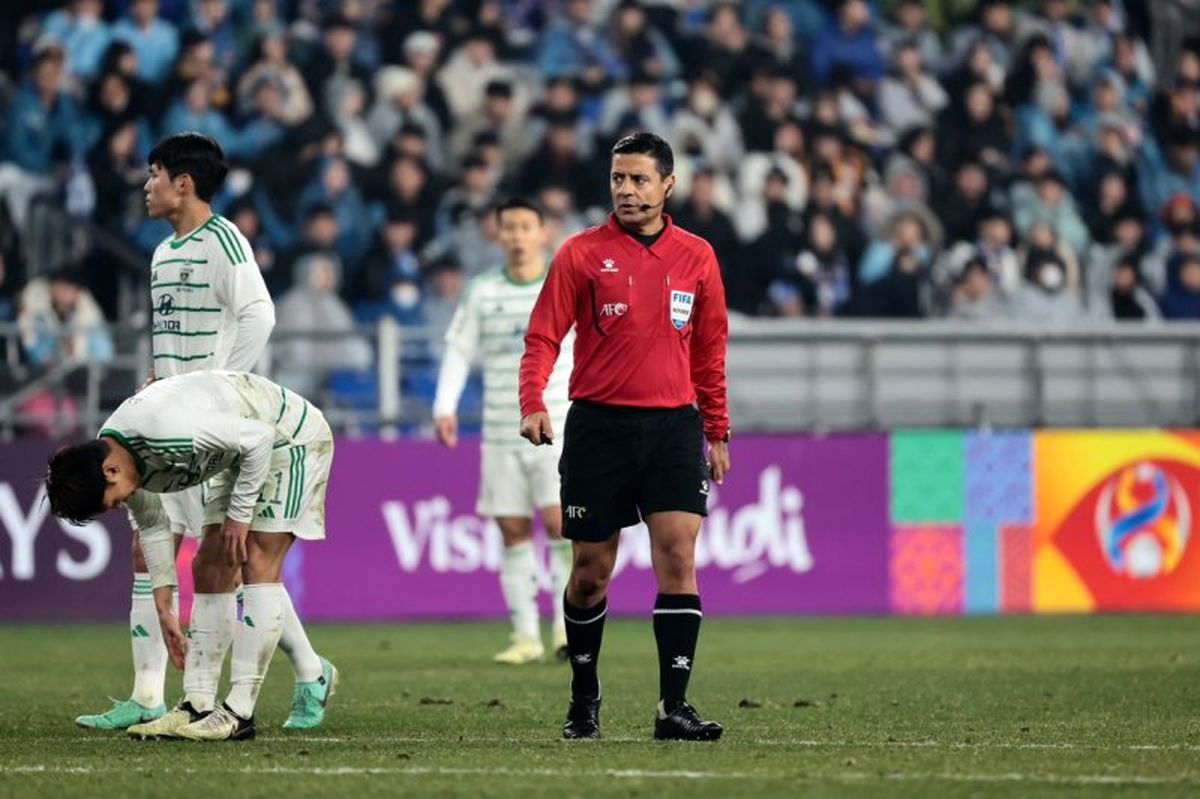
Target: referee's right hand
536 428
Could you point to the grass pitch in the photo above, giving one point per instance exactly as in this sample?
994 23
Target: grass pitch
1078 706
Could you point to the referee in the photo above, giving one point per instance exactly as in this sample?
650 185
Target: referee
648 307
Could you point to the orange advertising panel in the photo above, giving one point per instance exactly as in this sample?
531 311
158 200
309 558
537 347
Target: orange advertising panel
1116 525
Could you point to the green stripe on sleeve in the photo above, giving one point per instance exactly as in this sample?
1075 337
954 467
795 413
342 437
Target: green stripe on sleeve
168 357
233 237
287 506
303 416
179 261
185 333
211 225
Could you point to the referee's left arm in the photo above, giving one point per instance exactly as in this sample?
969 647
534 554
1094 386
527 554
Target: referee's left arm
710 331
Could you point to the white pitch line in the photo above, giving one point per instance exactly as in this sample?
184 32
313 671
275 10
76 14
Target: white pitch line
638 774
1050 779
729 741
416 771
800 743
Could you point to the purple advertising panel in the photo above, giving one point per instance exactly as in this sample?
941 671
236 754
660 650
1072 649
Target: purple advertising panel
800 526
50 570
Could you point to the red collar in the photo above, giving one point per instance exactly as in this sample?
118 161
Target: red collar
632 245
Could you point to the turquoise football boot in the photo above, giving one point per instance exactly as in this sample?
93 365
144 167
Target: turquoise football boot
310 699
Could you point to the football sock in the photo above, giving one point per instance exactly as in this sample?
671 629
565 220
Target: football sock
585 630
253 645
149 651
295 644
518 583
560 573
676 628
211 632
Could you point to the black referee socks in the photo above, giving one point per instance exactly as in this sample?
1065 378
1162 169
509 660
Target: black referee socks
676 628
585 629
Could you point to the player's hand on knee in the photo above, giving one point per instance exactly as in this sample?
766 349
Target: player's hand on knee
173 637
233 537
536 427
446 430
718 460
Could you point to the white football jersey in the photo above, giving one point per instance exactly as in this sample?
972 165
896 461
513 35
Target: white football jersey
490 324
199 283
183 430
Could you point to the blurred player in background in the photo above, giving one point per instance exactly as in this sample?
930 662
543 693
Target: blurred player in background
515 480
263 455
211 310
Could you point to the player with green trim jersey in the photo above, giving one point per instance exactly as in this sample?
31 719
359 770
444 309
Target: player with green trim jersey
490 324
263 454
210 310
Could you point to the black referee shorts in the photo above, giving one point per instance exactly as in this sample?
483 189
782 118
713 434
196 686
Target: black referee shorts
618 461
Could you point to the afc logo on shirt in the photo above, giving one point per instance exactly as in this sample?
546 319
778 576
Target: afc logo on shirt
614 309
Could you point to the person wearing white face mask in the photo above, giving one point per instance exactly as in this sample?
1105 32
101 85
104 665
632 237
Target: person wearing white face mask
710 123
1045 298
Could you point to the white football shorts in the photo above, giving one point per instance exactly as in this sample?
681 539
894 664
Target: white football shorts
516 479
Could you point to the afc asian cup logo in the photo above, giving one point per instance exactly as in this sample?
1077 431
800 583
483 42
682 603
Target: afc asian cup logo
1142 521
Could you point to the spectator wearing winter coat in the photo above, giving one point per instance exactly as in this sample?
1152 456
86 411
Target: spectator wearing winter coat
910 95
1181 302
42 124
155 40
995 243
976 132
83 33
699 214
710 124
333 188
313 305
907 245
1126 298
272 65
822 272
58 320
967 204
849 41
1053 205
786 158
975 295
1044 298
399 102
910 23
573 45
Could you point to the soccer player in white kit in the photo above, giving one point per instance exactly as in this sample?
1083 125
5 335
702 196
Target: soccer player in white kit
263 455
490 323
211 310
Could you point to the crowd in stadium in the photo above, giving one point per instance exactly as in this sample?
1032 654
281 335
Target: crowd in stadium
995 160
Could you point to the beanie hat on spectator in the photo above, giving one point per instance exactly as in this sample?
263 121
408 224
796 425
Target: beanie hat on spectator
421 43
1175 203
392 82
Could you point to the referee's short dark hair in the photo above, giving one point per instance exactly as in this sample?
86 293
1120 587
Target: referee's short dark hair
513 203
646 143
192 154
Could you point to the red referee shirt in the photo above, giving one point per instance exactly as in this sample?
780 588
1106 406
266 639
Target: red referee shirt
650 324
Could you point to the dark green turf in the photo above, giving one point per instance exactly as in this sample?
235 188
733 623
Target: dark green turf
959 707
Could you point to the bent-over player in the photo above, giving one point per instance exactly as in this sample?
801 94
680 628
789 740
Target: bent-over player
264 455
